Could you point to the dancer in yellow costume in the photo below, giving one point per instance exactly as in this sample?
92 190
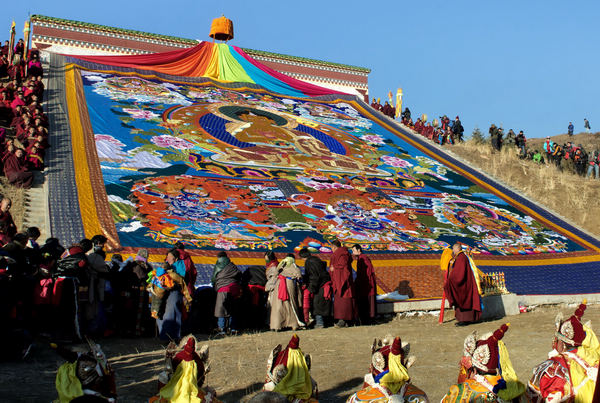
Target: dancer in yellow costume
85 375
486 373
570 373
288 373
186 369
388 380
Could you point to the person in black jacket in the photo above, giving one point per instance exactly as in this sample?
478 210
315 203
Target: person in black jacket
458 130
254 296
318 287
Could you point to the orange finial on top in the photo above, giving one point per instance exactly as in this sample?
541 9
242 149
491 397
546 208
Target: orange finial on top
221 29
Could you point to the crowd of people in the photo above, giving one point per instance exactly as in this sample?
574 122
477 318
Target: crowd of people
23 123
568 157
441 131
67 293
485 370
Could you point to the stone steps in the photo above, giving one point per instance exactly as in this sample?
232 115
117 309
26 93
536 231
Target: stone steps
36 199
36 207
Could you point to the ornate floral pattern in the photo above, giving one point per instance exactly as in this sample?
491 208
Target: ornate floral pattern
226 169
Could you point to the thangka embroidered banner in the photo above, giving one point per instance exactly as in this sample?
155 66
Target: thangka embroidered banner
161 159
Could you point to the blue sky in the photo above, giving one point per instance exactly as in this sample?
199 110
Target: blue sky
529 65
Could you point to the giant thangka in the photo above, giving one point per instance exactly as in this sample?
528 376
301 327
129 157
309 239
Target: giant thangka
209 148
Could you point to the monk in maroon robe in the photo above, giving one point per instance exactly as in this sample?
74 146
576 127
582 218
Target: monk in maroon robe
16 170
10 229
340 270
461 289
365 286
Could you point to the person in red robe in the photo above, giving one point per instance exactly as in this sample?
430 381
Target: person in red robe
16 171
340 270
461 288
365 286
34 159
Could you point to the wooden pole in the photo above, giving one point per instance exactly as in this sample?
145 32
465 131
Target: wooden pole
596 398
443 299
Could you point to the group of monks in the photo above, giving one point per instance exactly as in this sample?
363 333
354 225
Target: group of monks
290 299
23 123
486 373
387 109
440 132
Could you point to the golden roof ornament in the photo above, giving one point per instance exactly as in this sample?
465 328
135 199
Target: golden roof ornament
221 29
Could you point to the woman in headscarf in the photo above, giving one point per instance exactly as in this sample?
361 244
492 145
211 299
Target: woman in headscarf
285 294
226 280
169 323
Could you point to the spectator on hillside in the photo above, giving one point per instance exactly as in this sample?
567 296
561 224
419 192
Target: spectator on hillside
496 137
557 154
510 139
580 159
537 157
548 146
419 126
388 110
520 142
406 114
457 130
445 122
570 129
594 165
586 125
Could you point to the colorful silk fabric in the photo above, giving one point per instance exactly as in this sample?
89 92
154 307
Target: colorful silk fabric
218 61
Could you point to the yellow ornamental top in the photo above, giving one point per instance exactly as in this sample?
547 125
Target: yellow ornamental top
221 29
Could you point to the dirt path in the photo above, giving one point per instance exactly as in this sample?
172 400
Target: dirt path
340 358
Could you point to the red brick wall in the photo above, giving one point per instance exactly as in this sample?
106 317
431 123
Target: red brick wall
423 281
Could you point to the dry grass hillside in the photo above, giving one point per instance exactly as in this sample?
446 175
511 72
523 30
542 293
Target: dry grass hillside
571 196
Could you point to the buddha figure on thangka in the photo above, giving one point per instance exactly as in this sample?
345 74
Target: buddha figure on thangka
256 137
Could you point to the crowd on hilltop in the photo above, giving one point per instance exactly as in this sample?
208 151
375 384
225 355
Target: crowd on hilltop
442 131
568 157
23 123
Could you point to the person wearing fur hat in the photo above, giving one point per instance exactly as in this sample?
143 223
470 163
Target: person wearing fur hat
288 373
486 372
388 379
570 373
184 374
86 376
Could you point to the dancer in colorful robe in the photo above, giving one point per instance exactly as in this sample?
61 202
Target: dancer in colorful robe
388 379
288 373
85 374
340 270
462 287
184 374
486 372
569 374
